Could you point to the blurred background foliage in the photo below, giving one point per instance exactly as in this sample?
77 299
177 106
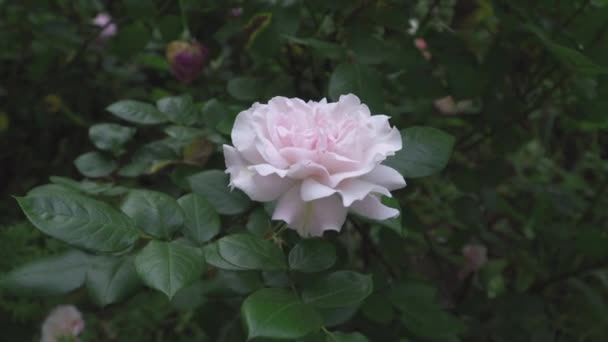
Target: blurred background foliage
522 85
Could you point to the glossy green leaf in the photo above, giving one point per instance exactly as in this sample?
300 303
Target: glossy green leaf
49 276
137 112
312 255
277 313
179 109
426 151
153 212
111 279
338 289
80 221
110 137
168 266
213 258
213 186
95 164
251 252
360 80
258 222
201 221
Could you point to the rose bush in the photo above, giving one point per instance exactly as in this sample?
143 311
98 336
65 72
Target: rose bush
318 159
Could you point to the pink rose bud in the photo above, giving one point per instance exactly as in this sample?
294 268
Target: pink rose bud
421 45
475 257
186 59
319 161
104 22
65 321
236 11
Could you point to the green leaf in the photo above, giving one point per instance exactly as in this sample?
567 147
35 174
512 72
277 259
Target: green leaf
569 57
137 112
312 255
213 186
168 266
421 313
259 222
201 220
251 252
153 212
111 279
320 48
378 308
47 277
426 151
337 336
244 88
110 137
179 109
213 257
338 289
276 313
95 164
360 80
80 221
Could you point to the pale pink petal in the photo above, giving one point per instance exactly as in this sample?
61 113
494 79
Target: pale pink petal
257 187
371 207
312 190
244 138
385 176
353 190
310 218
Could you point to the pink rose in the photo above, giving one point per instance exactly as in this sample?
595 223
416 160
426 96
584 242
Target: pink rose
318 159
104 20
65 321
475 257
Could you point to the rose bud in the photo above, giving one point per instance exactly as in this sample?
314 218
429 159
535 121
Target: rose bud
319 161
108 28
475 257
186 59
63 323
423 47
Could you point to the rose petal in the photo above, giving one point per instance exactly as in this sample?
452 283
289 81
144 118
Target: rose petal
312 190
371 207
259 188
385 176
355 190
310 218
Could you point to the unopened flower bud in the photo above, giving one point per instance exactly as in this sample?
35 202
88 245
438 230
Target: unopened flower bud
187 59
108 28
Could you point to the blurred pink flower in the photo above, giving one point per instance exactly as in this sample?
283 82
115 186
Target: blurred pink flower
318 159
423 47
475 257
186 59
447 105
104 20
64 321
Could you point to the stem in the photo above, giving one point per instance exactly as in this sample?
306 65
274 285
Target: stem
186 31
369 245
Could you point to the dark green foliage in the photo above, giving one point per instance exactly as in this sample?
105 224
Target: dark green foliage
503 110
